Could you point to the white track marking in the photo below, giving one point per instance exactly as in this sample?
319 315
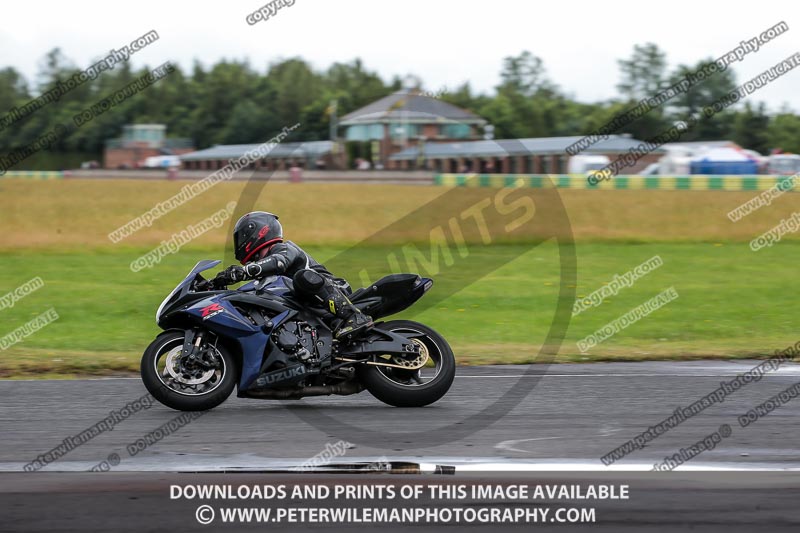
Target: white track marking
71 380
574 466
508 445
198 462
779 372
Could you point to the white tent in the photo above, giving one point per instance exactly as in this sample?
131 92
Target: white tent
723 154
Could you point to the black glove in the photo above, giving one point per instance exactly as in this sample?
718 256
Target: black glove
204 285
219 282
232 274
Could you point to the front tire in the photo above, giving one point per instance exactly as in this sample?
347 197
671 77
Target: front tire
407 388
205 390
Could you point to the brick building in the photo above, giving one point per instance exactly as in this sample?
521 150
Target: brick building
407 118
140 141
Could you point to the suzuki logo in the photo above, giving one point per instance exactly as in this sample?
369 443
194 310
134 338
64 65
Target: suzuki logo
211 310
281 375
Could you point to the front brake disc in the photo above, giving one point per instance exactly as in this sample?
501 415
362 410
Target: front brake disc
173 365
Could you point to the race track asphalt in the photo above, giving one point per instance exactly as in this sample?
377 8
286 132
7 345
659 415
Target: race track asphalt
561 417
499 425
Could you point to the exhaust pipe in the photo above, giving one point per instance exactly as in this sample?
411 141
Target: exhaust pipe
340 389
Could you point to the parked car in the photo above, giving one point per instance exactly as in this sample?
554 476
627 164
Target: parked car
584 164
784 164
161 161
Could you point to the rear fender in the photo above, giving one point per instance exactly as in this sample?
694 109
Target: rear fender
379 303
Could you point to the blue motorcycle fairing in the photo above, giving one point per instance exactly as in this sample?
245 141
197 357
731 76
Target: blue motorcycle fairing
183 287
219 316
225 320
247 287
253 348
219 312
276 285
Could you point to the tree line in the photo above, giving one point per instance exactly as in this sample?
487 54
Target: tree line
231 102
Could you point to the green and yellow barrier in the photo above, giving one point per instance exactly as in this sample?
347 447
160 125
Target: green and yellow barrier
629 182
34 174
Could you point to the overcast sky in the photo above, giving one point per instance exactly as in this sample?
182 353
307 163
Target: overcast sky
445 42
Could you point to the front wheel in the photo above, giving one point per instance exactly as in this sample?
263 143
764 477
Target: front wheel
412 387
185 385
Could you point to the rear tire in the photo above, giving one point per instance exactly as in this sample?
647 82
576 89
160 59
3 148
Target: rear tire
185 401
382 382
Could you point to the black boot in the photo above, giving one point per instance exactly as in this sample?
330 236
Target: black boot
322 291
352 320
353 325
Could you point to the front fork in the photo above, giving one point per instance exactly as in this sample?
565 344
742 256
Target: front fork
192 354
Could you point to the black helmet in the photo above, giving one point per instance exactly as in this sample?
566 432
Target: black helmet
253 232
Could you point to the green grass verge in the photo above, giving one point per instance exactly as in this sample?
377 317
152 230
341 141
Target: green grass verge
732 303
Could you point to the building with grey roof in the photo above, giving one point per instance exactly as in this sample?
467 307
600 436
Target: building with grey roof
545 155
409 130
312 154
406 118
413 107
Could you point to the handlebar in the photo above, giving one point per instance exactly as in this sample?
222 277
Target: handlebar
209 284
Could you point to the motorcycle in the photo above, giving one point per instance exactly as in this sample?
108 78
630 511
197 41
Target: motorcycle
261 338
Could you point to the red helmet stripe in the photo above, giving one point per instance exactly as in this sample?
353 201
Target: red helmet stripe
259 247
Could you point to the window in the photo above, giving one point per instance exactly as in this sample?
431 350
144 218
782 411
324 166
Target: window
364 132
456 131
403 130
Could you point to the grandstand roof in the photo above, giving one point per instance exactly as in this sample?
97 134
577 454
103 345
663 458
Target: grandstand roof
409 105
233 151
505 147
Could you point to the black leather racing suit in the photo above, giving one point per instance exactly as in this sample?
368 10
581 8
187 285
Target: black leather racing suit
313 283
287 259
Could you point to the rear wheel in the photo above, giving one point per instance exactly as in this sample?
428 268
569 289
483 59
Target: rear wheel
183 384
412 383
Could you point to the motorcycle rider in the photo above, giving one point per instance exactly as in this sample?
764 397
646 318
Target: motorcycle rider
259 246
